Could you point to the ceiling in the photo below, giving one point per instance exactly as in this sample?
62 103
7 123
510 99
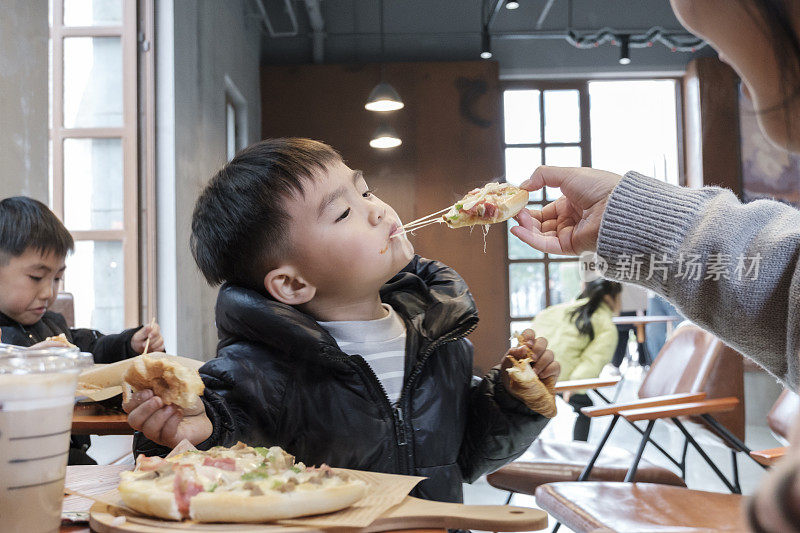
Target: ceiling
448 30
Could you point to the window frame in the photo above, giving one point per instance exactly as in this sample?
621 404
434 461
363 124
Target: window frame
127 133
585 143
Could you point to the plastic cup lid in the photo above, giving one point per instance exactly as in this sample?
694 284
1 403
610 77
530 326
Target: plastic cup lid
20 360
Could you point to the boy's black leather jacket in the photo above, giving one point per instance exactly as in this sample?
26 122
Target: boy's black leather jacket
280 379
104 348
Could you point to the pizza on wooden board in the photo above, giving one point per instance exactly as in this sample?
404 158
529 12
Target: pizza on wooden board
236 484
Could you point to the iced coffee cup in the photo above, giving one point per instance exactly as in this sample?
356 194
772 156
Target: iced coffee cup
37 394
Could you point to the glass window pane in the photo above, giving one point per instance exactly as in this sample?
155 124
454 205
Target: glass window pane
565 282
92 82
518 249
522 117
562 117
230 113
526 284
92 12
561 156
517 327
520 164
635 127
93 184
95 278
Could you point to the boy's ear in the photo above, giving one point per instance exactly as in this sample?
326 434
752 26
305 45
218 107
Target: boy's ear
286 285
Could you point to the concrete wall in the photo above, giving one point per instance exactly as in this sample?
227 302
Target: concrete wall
23 99
204 41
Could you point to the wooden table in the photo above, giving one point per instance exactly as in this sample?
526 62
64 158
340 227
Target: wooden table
641 321
88 420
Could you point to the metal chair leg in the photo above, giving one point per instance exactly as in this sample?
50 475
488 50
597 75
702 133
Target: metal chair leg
510 495
645 438
735 464
705 456
556 527
726 435
683 458
586 471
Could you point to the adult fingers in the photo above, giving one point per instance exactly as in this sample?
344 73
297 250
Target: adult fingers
538 240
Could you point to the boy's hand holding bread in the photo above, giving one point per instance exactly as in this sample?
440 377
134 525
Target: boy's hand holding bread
530 373
162 399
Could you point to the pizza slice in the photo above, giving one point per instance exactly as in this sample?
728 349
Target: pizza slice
61 339
237 484
492 203
537 394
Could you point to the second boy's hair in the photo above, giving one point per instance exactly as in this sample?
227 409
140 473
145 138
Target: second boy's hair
240 225
28 223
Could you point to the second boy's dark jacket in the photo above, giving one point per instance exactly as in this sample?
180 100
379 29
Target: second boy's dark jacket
104 348
280 379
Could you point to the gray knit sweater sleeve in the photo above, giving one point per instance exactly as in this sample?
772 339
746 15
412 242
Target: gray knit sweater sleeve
732 268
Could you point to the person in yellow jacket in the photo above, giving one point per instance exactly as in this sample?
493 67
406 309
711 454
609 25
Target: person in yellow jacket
583 339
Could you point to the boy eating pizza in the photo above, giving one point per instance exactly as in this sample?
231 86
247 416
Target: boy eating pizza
336 342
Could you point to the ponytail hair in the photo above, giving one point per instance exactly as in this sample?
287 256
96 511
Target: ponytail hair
596 291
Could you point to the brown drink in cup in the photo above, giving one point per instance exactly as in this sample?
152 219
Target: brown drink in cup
37 394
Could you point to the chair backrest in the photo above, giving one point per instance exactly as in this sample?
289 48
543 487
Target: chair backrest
783 415
65 305
693 360
682 364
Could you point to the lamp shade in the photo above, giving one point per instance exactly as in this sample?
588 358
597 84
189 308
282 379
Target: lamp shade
385 137
384 98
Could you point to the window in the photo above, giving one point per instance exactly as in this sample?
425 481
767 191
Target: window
94 155
615 125
544 125
635 127
236 119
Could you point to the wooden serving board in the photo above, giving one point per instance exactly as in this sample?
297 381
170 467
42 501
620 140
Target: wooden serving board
412 513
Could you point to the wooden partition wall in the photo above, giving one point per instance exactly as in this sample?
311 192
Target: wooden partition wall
711 125
451 132
711 132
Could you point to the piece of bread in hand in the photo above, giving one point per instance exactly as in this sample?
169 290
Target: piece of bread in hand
61 339
169 380
535 393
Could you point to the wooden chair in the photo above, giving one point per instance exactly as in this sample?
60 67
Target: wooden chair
638 507
780 419
695 374
65 305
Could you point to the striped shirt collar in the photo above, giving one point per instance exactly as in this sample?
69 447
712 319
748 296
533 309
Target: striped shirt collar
378 330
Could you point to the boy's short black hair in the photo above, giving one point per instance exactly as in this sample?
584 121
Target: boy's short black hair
239 225
28 223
